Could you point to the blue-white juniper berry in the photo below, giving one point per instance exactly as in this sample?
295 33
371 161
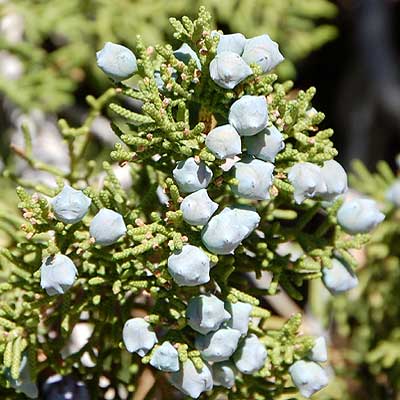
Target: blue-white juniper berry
185 53
266 144
263 51
335 179
189 266
222 235
228 69
107 227
205 313
224 374
319 352
191 176
162 196
249 115
224 141
116 61
359 215
219 345
70 205
57 274
138 336
250 355
246 216
254 179
192 381
240 316
393 193
339 277
308 376
233 42
226 230
165 358
197 208
307 181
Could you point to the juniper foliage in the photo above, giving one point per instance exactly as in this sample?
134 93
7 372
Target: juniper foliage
130 277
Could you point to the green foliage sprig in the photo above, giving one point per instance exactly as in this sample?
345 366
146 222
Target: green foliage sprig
130 277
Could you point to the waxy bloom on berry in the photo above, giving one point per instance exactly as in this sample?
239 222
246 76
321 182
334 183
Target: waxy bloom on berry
249 115
70 205
165 358
308 376
266 144
107 227
189 266
319 353
263 51
191 381
197 208
339 277
226 230
335 179
359 216
219 345
185 53
224 374
191 176
254 179
233 42
57 274
138 336
116 61
228 69
250 356
307 181
224 141
205 313
240 316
